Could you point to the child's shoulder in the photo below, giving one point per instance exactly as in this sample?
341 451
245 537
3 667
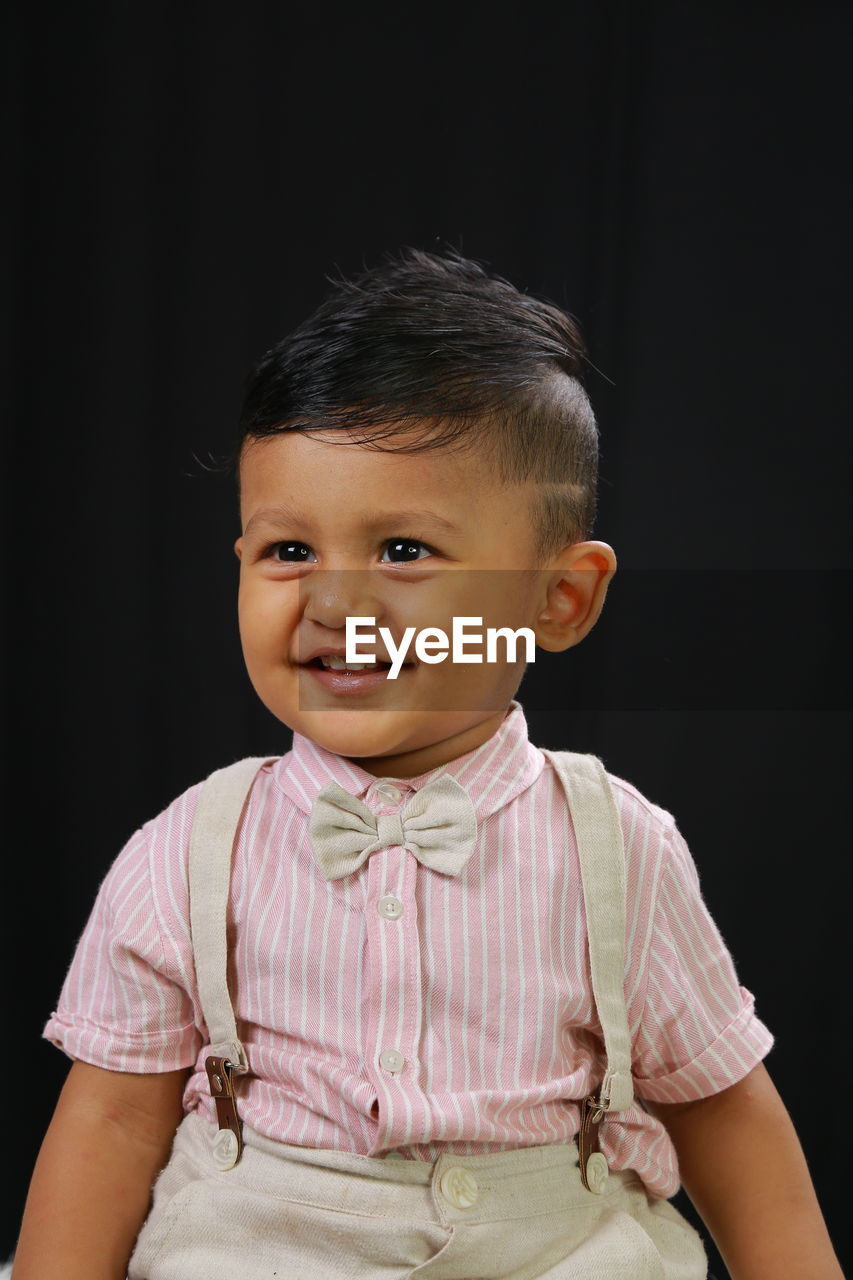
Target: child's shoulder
175 820
633 803
634 807
155 849
173 823
155 859
652 835
654 847
165 837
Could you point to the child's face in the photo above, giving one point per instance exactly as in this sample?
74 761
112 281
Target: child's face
335 555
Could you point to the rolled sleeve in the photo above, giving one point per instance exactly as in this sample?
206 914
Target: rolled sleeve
123 1006
699 1032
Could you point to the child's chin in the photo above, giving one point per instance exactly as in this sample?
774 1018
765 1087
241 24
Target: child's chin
359 733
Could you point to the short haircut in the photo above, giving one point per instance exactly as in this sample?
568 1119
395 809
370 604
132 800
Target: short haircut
433 344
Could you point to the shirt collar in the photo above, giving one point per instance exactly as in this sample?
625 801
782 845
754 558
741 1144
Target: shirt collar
493 774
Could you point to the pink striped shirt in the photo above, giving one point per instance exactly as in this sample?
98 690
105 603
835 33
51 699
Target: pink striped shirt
482 983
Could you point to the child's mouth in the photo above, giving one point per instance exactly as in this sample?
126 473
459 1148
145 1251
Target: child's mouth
373 676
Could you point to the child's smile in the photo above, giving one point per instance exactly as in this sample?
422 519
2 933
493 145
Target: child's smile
410 541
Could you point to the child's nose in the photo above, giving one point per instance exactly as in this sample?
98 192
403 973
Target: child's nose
330 596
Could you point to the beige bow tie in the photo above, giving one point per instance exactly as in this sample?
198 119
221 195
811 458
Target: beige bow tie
438 824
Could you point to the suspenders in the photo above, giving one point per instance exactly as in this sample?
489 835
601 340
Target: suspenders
598 832
601 851
221 802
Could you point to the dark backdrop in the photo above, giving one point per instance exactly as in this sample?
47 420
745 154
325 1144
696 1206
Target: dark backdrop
184 176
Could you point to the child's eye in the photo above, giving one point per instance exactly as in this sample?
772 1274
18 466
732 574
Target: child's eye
299 552
406 548
288 552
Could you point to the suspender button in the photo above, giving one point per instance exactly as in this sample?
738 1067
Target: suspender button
225 1149
597 1172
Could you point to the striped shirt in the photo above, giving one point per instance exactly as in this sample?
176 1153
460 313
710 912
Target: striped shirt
482 983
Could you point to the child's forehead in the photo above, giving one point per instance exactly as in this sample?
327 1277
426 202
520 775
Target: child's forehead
311 479
288 457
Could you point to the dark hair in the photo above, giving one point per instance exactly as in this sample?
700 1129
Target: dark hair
435 345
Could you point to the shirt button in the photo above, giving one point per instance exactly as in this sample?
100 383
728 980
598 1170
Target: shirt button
388 792
391 1060
390 907
394 1155
459 1187
597 1172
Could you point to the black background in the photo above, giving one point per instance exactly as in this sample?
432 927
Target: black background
676 176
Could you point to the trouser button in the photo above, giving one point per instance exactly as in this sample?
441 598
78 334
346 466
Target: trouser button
459 1187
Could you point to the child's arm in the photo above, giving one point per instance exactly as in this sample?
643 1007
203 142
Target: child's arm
744 1169
110 1135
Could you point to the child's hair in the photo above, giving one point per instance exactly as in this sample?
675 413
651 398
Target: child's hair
434 345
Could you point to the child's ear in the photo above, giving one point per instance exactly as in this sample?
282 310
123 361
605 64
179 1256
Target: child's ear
238 548
577 583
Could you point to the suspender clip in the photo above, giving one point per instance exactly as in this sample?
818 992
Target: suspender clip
228 1144
588 1137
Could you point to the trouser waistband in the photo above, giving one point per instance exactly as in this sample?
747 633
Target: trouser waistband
488 1187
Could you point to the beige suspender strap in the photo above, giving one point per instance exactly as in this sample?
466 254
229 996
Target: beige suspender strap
220 806
601 850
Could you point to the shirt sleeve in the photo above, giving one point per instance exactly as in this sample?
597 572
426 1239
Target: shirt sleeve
127 1003
699 1032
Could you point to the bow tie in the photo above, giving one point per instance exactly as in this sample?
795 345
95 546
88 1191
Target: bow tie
438 824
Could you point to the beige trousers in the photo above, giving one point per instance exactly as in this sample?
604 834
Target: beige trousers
297 1213
301 1214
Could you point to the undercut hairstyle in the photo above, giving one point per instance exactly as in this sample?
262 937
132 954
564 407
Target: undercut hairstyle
435 346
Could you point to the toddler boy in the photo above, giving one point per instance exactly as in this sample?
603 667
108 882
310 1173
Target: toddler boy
408 955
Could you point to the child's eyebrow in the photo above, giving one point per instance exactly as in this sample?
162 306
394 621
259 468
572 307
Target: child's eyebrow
287 515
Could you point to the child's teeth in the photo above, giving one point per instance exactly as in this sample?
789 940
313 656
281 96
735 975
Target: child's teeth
340 664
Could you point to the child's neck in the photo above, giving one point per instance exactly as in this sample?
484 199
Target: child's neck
410 764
